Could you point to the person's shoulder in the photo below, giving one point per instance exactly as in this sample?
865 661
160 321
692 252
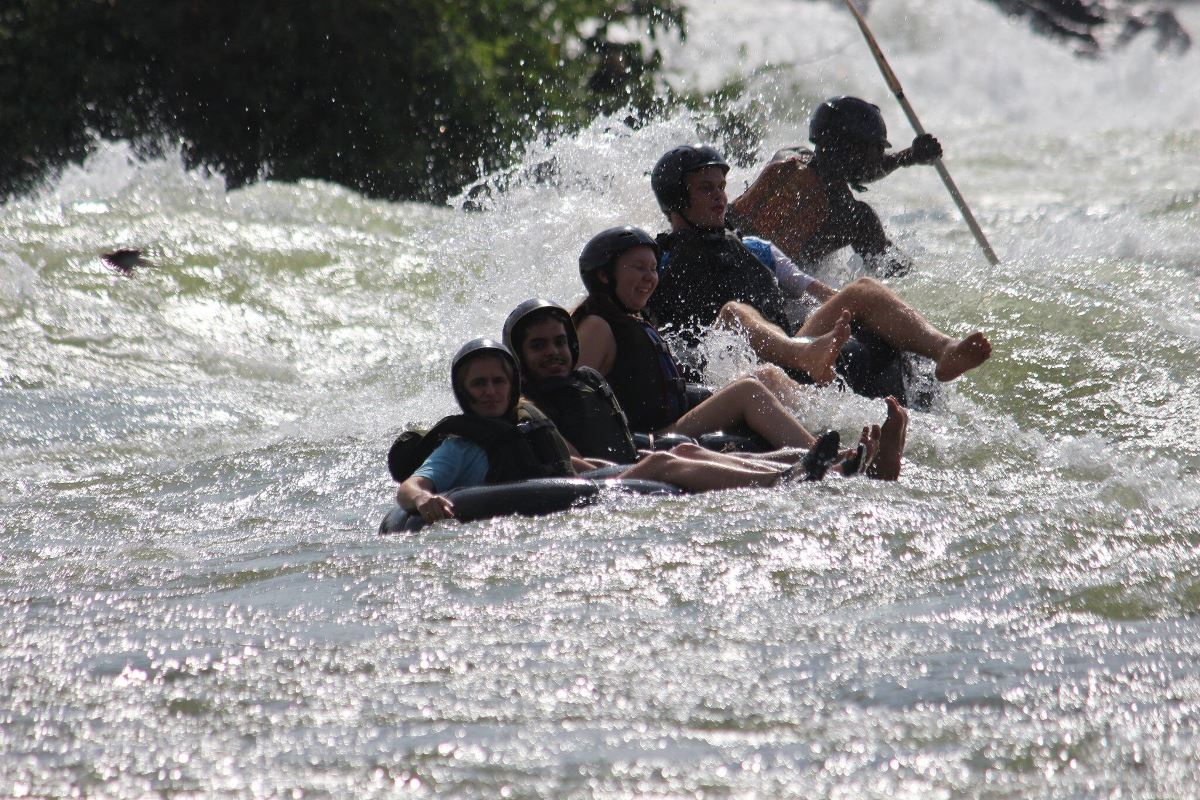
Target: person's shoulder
593 324
455 462
458 446
762 249
589 376
469 455
666 242
794 152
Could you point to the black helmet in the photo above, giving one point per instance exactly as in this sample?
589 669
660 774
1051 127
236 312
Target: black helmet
603 249
515 327
472 349
669 176
847 118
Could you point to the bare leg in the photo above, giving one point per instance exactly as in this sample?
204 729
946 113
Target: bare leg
698 476
783 457
745 402
787 390
879 308
772 459
754 461
891 443
814 355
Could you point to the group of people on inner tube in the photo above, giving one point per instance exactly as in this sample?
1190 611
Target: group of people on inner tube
564 391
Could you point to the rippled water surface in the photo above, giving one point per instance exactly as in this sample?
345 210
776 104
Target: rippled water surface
193 600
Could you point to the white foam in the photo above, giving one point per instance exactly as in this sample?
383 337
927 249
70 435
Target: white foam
17 280
963 65
114 177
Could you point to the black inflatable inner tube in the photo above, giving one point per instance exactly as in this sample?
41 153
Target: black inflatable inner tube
527 498
721 441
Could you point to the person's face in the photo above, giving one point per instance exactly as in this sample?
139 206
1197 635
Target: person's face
546 352
863 159
487 385
635 276
707 200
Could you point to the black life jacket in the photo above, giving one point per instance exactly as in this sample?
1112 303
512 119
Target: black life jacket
645 376
702 272
530 447
586 412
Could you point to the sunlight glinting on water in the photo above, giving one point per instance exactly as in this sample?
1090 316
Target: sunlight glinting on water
193 600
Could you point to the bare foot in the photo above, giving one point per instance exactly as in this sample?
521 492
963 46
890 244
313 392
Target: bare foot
891 443
820 352
962 356
854 464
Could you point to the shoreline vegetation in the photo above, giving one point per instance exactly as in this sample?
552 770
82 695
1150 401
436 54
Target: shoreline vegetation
396 99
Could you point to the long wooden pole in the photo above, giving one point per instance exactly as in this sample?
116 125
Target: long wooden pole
894 84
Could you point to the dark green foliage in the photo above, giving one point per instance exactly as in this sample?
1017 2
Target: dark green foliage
397 98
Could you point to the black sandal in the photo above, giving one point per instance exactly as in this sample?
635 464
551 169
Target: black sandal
817 461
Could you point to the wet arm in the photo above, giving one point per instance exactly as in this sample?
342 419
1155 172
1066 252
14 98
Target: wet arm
926 149
889 164
416 494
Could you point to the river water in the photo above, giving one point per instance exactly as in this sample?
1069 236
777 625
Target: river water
193 600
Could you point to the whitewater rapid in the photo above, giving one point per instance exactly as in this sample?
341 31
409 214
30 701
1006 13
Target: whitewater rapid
193 600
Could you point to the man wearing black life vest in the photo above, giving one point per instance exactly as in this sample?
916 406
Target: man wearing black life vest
802 201
710 276
577 399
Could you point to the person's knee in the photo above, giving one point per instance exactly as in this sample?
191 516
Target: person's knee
659 459
859 294
686 450
864 286
753 391
771 376
731 312
746 385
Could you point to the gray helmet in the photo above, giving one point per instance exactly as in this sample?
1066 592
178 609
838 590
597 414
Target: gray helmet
668 179
603 249
467 353
851 119
515 327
